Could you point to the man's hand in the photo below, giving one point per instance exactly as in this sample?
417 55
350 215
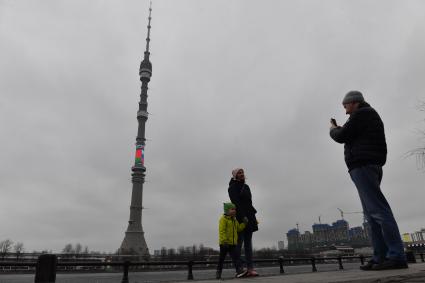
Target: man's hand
333 123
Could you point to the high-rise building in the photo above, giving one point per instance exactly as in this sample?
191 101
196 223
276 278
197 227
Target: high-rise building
325 235
293 236
340 229
280 245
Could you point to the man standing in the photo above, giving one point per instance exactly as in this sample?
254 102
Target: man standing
365 152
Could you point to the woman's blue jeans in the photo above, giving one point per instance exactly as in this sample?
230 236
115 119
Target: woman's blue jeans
245 238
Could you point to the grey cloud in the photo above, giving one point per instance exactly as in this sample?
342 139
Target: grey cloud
234 84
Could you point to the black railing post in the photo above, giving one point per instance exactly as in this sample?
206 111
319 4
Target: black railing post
190 271
125 272
45 271
340 263
313 264
362 259
422 257
410 256
281 265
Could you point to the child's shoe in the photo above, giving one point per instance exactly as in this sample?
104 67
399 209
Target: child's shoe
218 274
241 273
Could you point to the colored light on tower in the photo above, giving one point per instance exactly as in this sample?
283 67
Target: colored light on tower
140 155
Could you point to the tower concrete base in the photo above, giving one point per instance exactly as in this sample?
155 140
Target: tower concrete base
134 243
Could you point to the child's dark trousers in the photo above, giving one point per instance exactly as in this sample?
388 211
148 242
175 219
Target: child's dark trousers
234 254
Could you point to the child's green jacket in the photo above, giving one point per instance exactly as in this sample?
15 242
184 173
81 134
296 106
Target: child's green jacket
228 230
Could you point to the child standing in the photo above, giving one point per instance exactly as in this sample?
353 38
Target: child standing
228 229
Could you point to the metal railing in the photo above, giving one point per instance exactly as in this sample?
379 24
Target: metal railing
46 266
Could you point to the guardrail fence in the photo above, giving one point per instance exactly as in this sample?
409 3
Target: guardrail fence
47 265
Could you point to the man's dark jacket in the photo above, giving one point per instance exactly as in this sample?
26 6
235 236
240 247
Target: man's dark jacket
363 137
240 195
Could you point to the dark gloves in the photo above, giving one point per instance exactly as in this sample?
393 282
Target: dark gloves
245 220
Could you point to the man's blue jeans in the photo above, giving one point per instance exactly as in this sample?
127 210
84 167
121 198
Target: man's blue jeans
384 233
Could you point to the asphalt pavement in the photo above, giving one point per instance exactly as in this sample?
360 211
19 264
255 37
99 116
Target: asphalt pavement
293 274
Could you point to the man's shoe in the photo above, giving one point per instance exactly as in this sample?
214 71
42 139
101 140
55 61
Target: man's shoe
369 265
390 264
241 273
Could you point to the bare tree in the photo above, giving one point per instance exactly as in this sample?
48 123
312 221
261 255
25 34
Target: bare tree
181 250
5 247
78 248
163 252
18 248
68 249
194 250
171 253
201 249
419 153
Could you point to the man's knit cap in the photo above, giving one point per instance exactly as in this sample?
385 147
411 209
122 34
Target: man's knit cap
353 96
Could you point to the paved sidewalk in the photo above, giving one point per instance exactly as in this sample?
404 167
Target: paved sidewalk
415 273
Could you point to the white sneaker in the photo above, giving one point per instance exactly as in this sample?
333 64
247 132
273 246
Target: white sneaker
241 274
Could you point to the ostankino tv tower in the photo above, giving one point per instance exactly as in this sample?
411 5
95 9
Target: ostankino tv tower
134 241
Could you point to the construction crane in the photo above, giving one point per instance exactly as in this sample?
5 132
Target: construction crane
352 212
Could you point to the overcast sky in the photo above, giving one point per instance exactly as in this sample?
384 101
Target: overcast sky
237 83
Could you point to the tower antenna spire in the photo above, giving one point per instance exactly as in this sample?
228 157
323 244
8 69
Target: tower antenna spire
148 38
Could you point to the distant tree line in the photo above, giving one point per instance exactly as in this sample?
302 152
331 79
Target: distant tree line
8 249
201 252
8 246
78 250
75 249
184 253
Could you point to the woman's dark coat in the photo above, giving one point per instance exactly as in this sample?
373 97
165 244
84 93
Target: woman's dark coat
240 195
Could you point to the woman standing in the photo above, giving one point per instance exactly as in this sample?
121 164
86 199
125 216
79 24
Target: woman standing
240 195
